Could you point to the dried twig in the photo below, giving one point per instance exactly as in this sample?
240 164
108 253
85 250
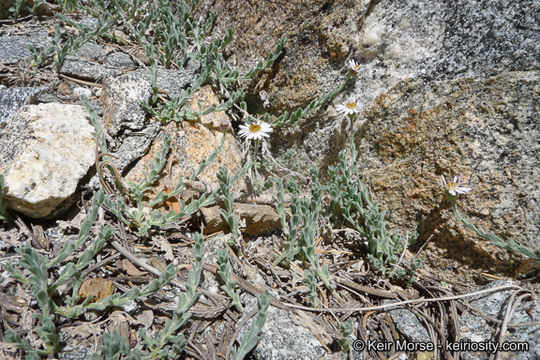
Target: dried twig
80 81
512 305
239 326
408 302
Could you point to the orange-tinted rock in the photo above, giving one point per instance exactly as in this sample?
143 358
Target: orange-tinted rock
99 288
191 143
318 34
259 219
484 131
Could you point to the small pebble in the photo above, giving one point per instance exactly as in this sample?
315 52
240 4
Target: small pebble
79 91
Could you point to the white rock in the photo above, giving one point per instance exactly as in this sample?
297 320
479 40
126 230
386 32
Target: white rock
78 91
44 153
130 307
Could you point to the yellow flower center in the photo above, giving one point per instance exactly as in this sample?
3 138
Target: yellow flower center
254 128
351 105
451 186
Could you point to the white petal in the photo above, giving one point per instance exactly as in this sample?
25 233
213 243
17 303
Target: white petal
352 64
243 132
266 127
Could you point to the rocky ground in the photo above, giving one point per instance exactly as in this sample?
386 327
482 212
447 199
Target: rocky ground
441 89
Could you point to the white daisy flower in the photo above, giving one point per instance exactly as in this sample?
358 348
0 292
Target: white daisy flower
257 131
354 67
349 108
454 188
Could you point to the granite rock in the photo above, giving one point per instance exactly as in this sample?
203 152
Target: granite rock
121 100
300 74
13 98
477 329
96 63
171 81
120 60
483 130
259 219
14 48
409 325
391 40
45 151
285 336
88 70
92 51
134 146
191 143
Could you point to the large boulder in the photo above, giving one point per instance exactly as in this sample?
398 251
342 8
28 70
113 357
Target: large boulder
483 130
